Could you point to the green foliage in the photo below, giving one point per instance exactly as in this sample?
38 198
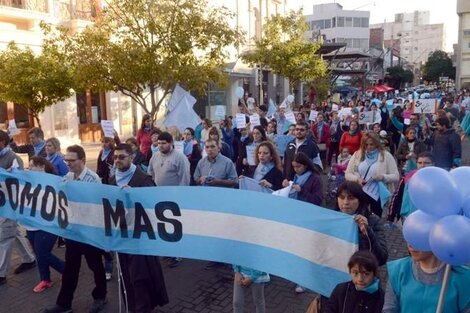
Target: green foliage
438 64
322 86
285 51
33 81
398 75
138 47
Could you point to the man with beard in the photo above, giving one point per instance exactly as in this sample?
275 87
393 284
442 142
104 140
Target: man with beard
446 145
143 278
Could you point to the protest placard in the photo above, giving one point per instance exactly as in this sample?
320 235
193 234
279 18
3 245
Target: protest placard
108 128
313 115
179 146
219 112
250 154
366 117
12 128
240 120
290 117
425 106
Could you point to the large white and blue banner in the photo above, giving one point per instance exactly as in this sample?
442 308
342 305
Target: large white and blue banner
306 244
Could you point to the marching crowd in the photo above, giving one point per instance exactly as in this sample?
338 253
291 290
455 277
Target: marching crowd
369 164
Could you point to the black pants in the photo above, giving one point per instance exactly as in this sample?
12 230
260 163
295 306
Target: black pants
375 206
73 259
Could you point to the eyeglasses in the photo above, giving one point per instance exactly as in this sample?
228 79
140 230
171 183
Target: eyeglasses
300 129
70 160
120 156
211 146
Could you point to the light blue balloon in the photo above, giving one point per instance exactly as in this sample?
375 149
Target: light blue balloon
433 191
239 92
416 229
450 239
461 177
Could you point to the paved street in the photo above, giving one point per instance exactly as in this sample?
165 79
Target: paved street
191 288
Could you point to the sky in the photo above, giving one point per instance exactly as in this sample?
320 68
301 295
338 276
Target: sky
380 10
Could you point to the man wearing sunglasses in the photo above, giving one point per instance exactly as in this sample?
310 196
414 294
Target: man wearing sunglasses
142 275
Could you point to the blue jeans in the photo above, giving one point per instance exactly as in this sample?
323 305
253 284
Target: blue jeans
42 243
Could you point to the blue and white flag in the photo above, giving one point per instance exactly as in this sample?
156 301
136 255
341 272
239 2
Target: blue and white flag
298 241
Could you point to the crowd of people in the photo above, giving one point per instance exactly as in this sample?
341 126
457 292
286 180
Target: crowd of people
371 163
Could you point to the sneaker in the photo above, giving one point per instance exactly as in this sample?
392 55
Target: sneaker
24 267
43 285
174 262
108 276
299 289
98 305
3 281
57 309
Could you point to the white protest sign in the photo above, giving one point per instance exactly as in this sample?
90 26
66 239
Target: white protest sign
108 128
254 120
250 154
179 146
366 117
313 115
345 112
290 117
220 112
12 129
425 106
240 120
406 121
335 108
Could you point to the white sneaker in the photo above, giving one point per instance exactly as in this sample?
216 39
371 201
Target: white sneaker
108 276
299 289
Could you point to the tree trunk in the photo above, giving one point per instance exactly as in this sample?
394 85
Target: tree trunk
38 121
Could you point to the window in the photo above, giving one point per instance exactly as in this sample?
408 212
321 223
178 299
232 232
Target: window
466 32
364 43
341 21
348 42
357 22
319 24
348 21
333 22
365 22
356 43
327 23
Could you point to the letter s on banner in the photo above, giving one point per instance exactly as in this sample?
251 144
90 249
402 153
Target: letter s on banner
160 208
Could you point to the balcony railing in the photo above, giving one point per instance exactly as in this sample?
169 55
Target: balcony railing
30 5
75 10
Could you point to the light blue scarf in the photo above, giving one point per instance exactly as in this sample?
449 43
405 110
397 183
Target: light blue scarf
4 151
154 149
320 126
188 147
123 178
372 156
105 153
299 180
51 158
38 147
374 287
262 170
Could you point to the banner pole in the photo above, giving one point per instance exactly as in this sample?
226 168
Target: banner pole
442 295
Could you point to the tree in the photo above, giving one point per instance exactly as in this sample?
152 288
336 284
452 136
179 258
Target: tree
33 81
140 47
438 64
285 51
397 75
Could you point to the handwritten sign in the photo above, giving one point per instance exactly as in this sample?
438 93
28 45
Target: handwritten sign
12 129
335 108
240 120
344 112
108 128
250 154
366 117
290 117
179 146
219 112
425 106
313 115
254 120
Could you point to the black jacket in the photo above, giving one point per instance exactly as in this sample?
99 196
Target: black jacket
308 147
274 176
346 299
142 274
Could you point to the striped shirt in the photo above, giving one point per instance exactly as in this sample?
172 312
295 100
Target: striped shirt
87 175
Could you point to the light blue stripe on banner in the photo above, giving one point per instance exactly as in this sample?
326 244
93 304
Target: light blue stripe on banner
318 278
226 200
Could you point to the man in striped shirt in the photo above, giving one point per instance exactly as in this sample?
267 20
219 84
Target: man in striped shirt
75 159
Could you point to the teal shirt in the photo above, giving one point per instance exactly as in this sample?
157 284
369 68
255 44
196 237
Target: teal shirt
414 295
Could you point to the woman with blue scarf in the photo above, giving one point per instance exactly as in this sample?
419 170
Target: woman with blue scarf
55 157
375 169
362 293
268 166
307 184
258 135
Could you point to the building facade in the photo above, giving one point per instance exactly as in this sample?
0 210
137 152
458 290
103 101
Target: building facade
462 50
410 38
336 25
